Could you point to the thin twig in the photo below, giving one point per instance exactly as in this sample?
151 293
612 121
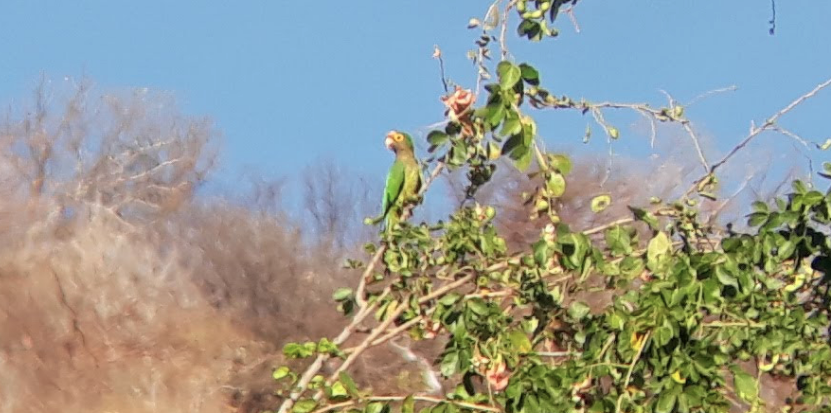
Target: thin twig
558 353
688 128
731 88
570 12
446 288
791 135
769 123
437 56
361 290
686 124
503 35
604 227
724 203
631 369
756 130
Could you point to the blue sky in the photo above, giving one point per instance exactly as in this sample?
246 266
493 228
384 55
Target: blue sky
289 83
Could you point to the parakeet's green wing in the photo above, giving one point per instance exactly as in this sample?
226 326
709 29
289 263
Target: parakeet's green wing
395 181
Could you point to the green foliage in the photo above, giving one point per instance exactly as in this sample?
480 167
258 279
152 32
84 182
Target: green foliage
693 305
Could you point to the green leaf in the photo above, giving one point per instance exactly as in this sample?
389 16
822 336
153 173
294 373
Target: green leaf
529 74
304 406
513 143
799 187
281 373
561 163
326 346
519 341
760 206
556 185
522 158
658 248
726 279
342 294
631 267
812 198
578 310
495 114
786 249
376 407
509 74
478 307
493 151
338 390
512 125
347 381
826 173
449 363
450 299
757 218
296 350
408 406
436 138
666 402
645 216
663 334
712 292
529 29
532 405
618 240
600 202
541 252
744 384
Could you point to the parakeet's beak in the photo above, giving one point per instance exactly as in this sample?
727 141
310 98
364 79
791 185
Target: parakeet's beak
388 142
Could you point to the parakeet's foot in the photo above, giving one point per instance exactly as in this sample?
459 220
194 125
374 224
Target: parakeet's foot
373 221
414 200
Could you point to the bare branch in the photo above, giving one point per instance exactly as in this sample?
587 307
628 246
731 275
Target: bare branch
755 131
707 94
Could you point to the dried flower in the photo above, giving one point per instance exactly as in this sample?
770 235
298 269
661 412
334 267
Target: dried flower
498 376
458 102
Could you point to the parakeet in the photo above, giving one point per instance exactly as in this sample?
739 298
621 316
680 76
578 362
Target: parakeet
403 180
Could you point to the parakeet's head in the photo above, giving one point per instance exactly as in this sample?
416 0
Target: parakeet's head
398 141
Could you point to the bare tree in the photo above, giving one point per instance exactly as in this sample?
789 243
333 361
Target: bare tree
336 201
129 152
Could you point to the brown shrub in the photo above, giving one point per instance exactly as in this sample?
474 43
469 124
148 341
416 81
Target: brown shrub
118 292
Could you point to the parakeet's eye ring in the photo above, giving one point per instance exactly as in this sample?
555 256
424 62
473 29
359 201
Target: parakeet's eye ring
399 137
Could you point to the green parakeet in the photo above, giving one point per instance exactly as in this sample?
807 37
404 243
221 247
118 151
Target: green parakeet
403 180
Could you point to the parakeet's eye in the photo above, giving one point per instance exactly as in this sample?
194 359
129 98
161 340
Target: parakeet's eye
399 137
